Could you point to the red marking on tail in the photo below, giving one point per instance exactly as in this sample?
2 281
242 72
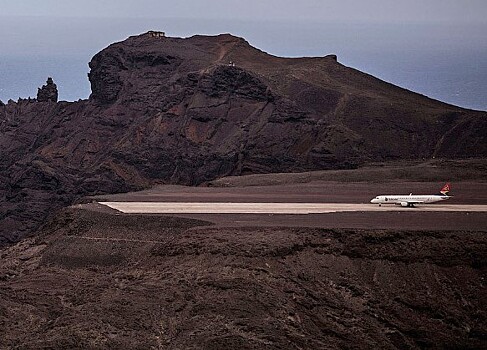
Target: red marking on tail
445 189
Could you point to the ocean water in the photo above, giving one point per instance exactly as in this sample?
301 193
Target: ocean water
442 61
459 79
21 76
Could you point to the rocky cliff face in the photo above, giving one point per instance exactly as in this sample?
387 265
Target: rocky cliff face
189 110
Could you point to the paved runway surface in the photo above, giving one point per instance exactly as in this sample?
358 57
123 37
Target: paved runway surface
276 208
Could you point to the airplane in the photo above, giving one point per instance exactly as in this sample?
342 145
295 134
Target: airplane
410 201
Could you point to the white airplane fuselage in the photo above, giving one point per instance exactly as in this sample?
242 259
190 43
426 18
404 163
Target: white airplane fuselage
408 200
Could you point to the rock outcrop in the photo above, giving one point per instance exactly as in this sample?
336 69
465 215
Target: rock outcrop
186 111
47 92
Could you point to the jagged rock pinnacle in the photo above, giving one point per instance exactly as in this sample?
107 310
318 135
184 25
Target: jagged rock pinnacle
47 92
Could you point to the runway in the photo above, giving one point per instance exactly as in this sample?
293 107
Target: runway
277 208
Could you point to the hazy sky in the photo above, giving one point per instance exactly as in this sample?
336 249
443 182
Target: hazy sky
366 10
81 27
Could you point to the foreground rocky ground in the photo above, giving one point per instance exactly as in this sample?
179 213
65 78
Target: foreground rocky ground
104 280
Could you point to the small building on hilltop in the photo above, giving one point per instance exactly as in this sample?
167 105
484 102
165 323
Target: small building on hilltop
156 34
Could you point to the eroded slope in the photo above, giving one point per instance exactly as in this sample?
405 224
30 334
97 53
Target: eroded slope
94 280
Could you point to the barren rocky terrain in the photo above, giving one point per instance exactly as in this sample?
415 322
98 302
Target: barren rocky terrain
96 278
166 112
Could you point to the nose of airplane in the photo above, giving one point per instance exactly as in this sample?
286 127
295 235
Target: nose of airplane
374 200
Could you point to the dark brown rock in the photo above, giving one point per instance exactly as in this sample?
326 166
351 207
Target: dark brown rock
101 280
47 92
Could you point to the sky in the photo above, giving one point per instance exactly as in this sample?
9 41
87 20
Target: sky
401 41
321 10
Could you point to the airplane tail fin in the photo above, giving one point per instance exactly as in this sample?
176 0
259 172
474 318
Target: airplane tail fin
445 189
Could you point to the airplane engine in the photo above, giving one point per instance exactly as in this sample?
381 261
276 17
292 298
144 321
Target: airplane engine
404 204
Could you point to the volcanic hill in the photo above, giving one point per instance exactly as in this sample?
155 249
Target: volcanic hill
173 110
